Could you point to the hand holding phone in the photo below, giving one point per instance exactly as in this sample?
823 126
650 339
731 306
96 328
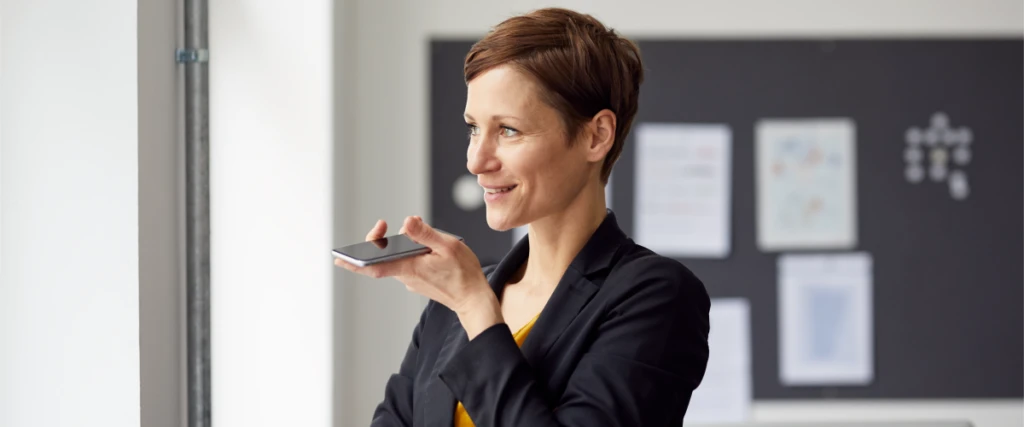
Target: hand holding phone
450 275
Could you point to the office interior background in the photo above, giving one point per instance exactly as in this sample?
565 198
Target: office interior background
320 124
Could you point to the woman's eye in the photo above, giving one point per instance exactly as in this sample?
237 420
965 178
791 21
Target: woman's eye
508 132
473 129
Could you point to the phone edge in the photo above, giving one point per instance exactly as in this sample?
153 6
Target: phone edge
364 263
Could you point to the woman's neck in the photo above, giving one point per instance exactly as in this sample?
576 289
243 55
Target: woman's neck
557 239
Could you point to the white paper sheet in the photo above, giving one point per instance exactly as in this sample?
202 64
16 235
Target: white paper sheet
725 394
683 189
806 184
825 319
608 192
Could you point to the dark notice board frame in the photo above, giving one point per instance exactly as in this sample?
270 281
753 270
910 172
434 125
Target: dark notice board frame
948 274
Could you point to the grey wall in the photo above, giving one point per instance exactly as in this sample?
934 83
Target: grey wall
161 226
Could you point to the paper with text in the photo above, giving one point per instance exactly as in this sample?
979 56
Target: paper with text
683 189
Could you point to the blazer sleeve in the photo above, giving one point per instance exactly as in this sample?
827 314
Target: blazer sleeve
396 408
649 354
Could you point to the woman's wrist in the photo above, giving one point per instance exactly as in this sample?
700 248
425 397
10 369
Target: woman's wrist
480 312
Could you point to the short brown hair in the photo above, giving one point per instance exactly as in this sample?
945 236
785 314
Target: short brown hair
583 66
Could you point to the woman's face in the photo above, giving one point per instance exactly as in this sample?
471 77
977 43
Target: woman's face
519 151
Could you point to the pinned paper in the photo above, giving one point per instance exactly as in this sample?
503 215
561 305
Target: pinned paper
806 184
683 189
725 393
825 319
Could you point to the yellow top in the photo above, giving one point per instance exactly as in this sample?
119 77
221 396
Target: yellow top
461 416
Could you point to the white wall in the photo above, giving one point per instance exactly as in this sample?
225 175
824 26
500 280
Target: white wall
271 150
381 163
1 148
384 106
69 295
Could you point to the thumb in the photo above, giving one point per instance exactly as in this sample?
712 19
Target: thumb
422 233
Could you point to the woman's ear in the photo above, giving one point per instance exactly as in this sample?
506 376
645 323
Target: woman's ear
602 135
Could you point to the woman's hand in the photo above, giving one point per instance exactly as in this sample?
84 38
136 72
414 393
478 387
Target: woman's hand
450 274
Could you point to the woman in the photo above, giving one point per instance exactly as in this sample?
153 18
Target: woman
577 325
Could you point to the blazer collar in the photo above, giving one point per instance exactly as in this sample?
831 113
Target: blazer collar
600 250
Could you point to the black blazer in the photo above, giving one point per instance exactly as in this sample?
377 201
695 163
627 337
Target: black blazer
623 341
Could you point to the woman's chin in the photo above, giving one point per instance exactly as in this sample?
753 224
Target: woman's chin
497 226
498 221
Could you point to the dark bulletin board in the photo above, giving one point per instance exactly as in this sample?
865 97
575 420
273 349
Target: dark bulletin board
948 274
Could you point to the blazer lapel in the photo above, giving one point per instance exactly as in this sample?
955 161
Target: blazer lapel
570 296
573 292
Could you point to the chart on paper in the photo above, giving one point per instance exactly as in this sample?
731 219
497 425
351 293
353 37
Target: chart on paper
806 178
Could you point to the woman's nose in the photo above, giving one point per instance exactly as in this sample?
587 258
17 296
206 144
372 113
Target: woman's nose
480 158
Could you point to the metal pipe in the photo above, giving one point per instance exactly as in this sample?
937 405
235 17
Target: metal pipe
197 200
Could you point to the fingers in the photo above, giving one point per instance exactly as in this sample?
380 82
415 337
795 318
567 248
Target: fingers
404 228
378 230
422 233
381 228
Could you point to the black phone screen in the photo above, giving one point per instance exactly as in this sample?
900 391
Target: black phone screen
386 247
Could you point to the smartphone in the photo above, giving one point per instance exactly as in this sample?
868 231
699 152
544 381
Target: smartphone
385 249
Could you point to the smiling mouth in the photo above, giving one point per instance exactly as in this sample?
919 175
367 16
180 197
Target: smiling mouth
499 190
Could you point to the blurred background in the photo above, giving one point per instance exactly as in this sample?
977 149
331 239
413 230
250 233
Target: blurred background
325 116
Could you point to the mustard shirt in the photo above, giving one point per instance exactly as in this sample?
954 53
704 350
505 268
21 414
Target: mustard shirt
461 416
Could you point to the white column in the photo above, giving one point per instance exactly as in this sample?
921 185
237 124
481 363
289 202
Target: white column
271 153
69 276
